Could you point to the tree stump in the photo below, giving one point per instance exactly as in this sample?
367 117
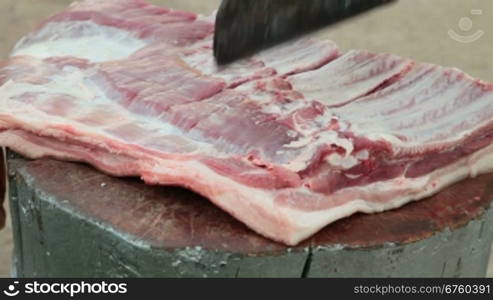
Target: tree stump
72 221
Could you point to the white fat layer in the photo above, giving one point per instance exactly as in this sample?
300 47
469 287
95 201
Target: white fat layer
284 58
301 53
70 81
347 78
430 105
363 155
342 162
257 207
203 61
81 39
313 144
351 176
382 196
73 83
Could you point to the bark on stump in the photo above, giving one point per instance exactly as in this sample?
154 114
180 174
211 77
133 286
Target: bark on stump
72 221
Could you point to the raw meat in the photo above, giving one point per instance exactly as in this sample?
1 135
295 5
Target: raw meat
287 141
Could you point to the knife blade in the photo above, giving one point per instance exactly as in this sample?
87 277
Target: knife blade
244 27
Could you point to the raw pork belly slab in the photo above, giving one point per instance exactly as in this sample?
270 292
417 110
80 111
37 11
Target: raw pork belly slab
287 141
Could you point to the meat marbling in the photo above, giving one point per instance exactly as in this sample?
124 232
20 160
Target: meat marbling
287 141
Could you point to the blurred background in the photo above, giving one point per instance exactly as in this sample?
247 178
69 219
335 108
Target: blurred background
453 33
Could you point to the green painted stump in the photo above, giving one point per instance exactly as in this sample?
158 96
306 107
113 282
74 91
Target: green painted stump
70 220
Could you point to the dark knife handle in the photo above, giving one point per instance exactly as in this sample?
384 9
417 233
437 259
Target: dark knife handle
256 24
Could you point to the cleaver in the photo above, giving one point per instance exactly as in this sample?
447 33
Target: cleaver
244 27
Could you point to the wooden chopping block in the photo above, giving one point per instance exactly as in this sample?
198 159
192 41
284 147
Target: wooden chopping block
71 220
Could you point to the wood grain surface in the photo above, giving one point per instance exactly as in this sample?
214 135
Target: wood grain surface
412 28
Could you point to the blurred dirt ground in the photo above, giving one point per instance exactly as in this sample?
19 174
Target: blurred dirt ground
412 28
